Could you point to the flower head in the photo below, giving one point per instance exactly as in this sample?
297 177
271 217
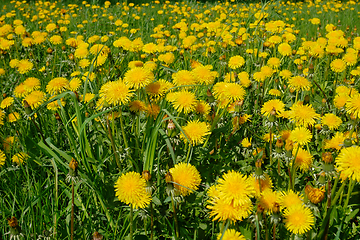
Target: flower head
301 135
331 120
7 102
299 83
338 65
303 159
57 85
138 77
231 234
303 115
186 178
116 92
353 105
2 158
298 219
236 62
195 132
272 105
348 162
130 188
289 199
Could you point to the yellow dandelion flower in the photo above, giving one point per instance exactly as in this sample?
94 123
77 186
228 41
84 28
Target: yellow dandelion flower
56 39
246 142
202 107
13 117
20 91
195 132
158 89
235 188
204 75
303 115
31 84
340 100
338 65
150 48
274 62
153 110
221 210
54 105
299 83
20 158
353 105
331 120
24 66
230 234
135 64
186 178
81 52
315 195
2 158
185 101
75 84
236 62
168 58
272 105
289 199
303 159
348 162
7 102
83 63
115 93
98 49
138 77
183 77
286 74
298 219
137 106
275 92
285 49
130 188
336 142
270 201
35 99
301 135
57 85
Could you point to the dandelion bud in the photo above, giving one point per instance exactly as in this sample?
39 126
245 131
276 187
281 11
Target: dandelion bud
323 102
73 165
348 142
146 175
315 195
311 68
49 50
15 229
327 157
300 67
63 48
71 56
171 125
289 145
168 177
27 107
97 236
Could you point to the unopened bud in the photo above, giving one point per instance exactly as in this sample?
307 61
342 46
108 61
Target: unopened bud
327 157
146 175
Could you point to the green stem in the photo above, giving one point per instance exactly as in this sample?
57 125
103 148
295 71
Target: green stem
293 172
131 222
175 218
123 131
72 210
333 201
351 187
113 143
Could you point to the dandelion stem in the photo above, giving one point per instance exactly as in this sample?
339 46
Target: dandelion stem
152 222
271 146
113 143
131 222
175 218
293 172
72 210
351 187
122 130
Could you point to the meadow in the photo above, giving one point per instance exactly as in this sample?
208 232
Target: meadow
179 120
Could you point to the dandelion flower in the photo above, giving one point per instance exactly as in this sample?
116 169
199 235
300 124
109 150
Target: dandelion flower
315 195
261 184
158 89
270 201
138 77
195 132
35 99
183 77
75 84
303 159
186 178
221 210
137 106
303 115
2 158
130 188
116 92
13 117
338 65
204 75
298 219
235 188
272 105
202 107
236 62
57 85
231 234
24 66
7 102
336 142
56 39
184 102
153 110
301 135
348 162
353 105
285 49
299 83
31 84
289 199
20 158
331 120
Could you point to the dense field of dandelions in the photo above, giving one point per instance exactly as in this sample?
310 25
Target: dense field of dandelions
179 120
